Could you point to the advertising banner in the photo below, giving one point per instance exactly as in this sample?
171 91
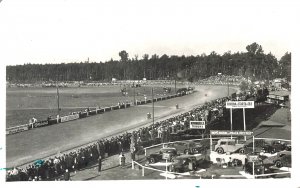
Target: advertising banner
229 133
240 104
69 118
197 124
17 129
40 123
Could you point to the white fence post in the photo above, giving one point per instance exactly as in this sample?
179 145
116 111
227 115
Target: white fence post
143 171
211 149
132 164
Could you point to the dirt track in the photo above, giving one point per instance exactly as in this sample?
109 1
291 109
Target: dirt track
42 142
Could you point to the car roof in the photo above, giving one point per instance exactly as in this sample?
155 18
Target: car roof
168 148
227 139
285 152
185 156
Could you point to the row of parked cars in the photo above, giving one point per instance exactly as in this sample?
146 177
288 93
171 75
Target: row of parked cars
232 146
188 155
266 159
182 155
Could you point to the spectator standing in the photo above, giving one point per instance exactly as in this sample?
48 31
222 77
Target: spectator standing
99 164
67 175
122 160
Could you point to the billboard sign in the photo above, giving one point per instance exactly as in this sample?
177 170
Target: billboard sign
17 129
240 104
69 118
229 133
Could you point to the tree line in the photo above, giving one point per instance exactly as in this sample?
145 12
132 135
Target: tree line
253 63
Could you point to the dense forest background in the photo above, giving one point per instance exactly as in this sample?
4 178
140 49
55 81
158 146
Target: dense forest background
253 63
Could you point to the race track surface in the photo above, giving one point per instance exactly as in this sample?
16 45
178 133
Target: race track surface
42 142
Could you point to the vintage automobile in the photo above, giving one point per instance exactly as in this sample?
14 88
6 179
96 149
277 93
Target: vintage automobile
279 145
182 91
288 147
163 152
275 147
268 149
229 145
282 159
259 166
189 147
184 163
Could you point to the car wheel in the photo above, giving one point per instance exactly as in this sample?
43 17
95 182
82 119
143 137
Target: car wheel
152 160
220 150
278 164
242 151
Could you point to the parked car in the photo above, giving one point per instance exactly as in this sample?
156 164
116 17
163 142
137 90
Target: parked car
279 145
268 149
282 159
184 163
182 91
259 166
229 145
190 147
156 157
288 147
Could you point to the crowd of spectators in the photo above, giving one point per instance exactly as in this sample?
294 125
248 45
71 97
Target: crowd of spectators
54 167
223 79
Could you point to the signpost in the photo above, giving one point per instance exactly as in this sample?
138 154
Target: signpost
197 124
227 133
166 156
235 132
239 104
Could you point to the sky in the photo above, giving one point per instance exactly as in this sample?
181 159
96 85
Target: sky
56 31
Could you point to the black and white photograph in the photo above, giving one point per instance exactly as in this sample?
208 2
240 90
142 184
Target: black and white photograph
149 93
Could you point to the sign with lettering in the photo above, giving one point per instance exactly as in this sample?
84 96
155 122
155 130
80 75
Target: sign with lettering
229 133
40 123
17 129
197 124
240 104
69 118
166 156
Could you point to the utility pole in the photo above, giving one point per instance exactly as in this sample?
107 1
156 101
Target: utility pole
57 99
152 107
133 96
175 85
228 88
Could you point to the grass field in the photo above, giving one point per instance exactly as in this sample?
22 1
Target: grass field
25 103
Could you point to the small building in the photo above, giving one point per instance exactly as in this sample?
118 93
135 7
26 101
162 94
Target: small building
277 83
278 97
